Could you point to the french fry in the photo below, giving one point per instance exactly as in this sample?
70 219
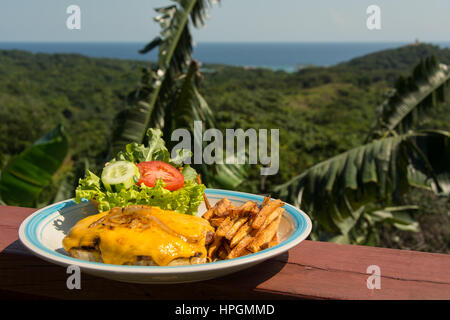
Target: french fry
214 246
227 247
222 253
265 212
265 236
216 222
245 252
208 214
207 204
277 212
221 208
254 211
225 226
274 241
239 248
246 208
237 224
244 230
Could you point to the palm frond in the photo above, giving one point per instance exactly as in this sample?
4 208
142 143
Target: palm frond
398 216
187 104
429 161
168 97
377 171
159 85
26 175
412 98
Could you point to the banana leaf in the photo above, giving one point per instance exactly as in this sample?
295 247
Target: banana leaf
27 174
413 97
158 86
189 106
168 97
430 161
375 172
398 216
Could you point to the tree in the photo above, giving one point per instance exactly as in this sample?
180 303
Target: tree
168 96
26 175
349 194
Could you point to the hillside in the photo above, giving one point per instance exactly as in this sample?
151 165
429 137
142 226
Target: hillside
37 91
320 111
327 105
398 59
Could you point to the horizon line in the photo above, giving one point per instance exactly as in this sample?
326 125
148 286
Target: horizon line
225 42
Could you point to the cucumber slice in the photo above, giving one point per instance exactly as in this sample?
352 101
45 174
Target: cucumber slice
120 175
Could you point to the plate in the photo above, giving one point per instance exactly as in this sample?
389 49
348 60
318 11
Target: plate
43 231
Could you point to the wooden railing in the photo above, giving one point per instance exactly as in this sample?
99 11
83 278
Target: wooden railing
312 270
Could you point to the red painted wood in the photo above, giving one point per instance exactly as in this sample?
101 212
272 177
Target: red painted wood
10 220
314 270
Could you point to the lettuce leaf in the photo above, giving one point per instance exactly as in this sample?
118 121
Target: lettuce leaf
184 200
189 173
156 150
181 155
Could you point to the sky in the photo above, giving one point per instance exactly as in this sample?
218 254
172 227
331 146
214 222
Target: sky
231 21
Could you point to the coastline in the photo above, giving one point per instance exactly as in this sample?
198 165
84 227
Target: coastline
283 56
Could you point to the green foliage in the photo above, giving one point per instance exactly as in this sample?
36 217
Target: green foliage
413 98
168 97
334 190
434 225
184 200
369 220
402 58
188 105
156 149
27 174
337 191
159 86
320 111
430 158
39 91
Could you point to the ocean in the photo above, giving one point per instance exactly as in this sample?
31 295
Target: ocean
277 56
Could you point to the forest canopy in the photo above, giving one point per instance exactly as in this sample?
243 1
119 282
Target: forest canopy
320 111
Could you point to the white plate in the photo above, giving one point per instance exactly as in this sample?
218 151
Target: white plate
43 231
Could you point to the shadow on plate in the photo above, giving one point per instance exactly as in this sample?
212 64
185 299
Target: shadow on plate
71 214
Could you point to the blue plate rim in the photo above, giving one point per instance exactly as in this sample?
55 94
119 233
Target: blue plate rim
29 238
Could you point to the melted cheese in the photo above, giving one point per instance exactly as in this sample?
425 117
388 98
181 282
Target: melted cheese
167 236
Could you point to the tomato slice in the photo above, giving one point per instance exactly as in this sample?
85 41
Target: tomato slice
151 171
